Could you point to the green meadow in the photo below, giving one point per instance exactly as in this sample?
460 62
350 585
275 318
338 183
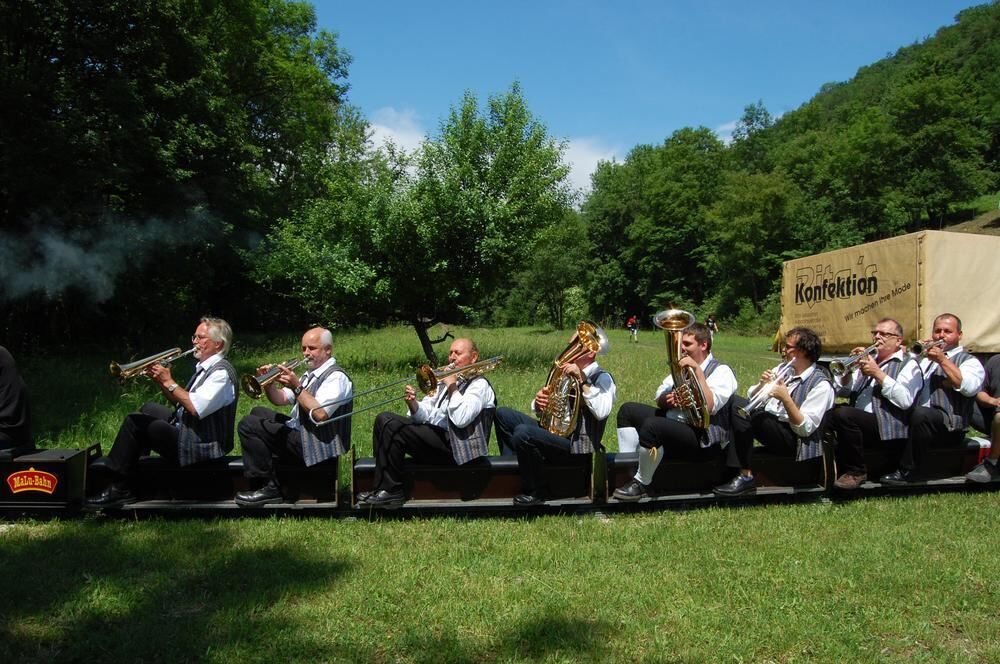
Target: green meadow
905 578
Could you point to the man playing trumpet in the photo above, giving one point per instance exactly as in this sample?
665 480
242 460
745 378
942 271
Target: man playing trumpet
450 426
952 378
266 435
881 391
199 427
789 422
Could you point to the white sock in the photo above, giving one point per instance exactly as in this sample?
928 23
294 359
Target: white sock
648 465
628 439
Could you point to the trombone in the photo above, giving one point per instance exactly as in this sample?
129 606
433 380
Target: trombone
426 379
844 365
254 384
124 372
920 348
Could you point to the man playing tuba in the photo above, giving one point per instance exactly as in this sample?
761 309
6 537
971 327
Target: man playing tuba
593 390
666 430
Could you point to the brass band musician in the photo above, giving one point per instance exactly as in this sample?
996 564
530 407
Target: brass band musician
198 427
451 425
790 420
986 418
535 445
663 431
266 434
882 390
952 378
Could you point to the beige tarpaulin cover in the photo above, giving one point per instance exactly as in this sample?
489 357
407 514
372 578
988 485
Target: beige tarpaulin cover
842 294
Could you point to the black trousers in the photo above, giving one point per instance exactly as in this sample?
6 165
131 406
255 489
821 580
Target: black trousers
149 429
928 429
534 447
982 418
394 436
678 439
264 438
855 430
766 428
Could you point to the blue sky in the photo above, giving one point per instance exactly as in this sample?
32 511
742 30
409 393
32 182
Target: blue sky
607 76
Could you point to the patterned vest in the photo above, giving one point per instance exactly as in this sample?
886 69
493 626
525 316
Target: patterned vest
718 424
589 430
210 437
893 421
472 441
320 443
811 447
956 406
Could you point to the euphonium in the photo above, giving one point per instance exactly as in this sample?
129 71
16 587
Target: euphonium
844 365
124 372
563 408
426 379
687 390
254 385
919 348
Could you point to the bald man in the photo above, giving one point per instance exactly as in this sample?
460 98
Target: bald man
325 390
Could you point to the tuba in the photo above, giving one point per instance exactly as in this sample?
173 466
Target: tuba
563 408
687 390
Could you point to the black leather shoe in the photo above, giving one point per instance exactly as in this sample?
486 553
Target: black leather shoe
737 486
268 494
116 495
364 496
632 492
527 500
386 499
900 478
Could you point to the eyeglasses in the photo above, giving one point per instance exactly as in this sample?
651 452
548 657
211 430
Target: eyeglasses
789 347
195 338
876 333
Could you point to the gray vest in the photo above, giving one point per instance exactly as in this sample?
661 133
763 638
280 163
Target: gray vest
210 437
589 430
472 441
811 447
956 406
718 424
893 421
328 441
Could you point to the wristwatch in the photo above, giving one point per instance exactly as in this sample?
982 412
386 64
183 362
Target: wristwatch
171 387
297 391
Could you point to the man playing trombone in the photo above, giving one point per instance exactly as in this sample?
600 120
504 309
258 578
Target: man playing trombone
882 386
198 427
952 378
789 420
450 426
324 390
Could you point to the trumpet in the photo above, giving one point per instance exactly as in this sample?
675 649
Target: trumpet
254 384
844 365
919 348
426 379
763 393
124 372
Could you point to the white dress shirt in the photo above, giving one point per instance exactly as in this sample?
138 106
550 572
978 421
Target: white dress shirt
336 386
973 375
216 392
901 391
817 402
461 408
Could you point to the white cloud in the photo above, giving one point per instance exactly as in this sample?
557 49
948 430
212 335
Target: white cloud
401 127
582 155
725 131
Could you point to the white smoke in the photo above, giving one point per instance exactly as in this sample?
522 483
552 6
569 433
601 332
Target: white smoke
47 260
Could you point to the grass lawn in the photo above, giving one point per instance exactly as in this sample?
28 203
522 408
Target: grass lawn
879 579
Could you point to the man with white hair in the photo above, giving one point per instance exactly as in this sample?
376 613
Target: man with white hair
198 427
324 390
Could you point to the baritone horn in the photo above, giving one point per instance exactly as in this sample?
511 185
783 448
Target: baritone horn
426 379
254 384
688 394
124 372
563 408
